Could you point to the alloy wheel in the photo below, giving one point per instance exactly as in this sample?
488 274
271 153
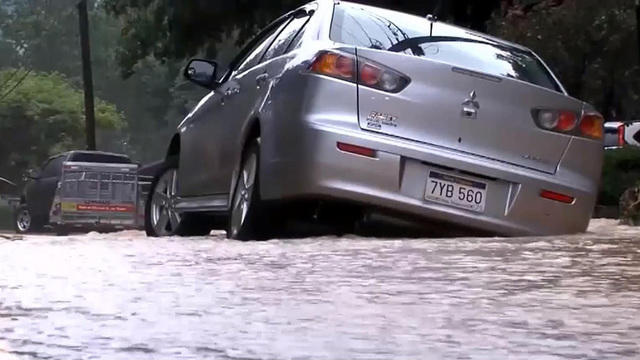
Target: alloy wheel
23 220
164 217
243 195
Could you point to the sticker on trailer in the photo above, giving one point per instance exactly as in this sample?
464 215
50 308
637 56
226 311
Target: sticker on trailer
118 208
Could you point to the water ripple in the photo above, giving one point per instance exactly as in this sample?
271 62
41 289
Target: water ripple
123 296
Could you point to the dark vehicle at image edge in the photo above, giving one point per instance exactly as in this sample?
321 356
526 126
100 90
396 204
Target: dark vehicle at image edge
341 103
32 215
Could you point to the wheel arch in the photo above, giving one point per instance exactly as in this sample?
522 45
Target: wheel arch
174 147
252 131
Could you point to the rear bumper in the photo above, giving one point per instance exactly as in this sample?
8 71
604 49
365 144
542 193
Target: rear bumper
396 180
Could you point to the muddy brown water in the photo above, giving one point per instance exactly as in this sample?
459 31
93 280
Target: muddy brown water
123 296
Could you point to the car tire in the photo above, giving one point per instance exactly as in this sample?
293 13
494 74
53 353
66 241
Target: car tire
22 220
250 217
161 219
32 224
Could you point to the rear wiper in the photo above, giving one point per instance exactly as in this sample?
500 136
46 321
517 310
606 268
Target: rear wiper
415 42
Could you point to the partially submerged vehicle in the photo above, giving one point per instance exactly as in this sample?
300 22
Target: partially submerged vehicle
81 190
338 102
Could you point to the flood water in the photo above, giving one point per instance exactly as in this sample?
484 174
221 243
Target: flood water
123 296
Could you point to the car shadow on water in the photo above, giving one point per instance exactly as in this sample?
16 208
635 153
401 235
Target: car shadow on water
386 226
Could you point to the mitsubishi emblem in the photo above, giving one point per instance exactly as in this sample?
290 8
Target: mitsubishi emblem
471 106
471 101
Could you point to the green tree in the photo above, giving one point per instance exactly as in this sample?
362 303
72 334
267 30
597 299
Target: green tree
590 44
43 35
180 29
42 116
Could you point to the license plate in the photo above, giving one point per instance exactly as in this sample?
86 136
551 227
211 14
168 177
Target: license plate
456 191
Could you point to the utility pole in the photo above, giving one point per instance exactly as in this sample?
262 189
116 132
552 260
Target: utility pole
87 76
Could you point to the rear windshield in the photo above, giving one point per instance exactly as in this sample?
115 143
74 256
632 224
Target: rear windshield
99 158
381 29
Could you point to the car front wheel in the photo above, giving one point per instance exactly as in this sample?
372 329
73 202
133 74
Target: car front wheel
161 217
22 220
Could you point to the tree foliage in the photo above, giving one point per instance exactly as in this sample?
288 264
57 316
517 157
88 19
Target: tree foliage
43 116
590 44
179 29
43 35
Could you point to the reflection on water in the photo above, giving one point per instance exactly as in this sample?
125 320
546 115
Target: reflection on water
123 296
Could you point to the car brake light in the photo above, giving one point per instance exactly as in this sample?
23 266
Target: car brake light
343 66
358 150
592 125
370 75
335 65
621 135
566 122
554 120
550 195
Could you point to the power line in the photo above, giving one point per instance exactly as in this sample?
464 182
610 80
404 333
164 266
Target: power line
15 86
10 78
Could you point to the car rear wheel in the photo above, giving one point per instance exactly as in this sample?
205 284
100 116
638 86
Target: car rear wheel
248 220
161 217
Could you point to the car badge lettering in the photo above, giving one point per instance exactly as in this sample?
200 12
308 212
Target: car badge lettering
378 120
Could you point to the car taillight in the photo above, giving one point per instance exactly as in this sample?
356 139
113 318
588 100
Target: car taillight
621 141
554 120
591 125
343 66
335 65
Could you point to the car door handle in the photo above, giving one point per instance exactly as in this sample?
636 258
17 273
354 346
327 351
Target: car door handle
262 79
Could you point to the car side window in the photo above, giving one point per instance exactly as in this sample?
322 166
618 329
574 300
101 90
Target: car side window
53 168
281 44
253 56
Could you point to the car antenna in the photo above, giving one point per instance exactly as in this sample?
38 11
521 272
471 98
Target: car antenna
432 19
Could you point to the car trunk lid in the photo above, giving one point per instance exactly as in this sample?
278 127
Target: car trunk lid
465 110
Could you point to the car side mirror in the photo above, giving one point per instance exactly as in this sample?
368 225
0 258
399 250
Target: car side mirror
202 72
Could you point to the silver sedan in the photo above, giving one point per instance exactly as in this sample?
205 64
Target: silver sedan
350 109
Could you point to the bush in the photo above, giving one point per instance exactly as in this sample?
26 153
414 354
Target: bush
621 171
